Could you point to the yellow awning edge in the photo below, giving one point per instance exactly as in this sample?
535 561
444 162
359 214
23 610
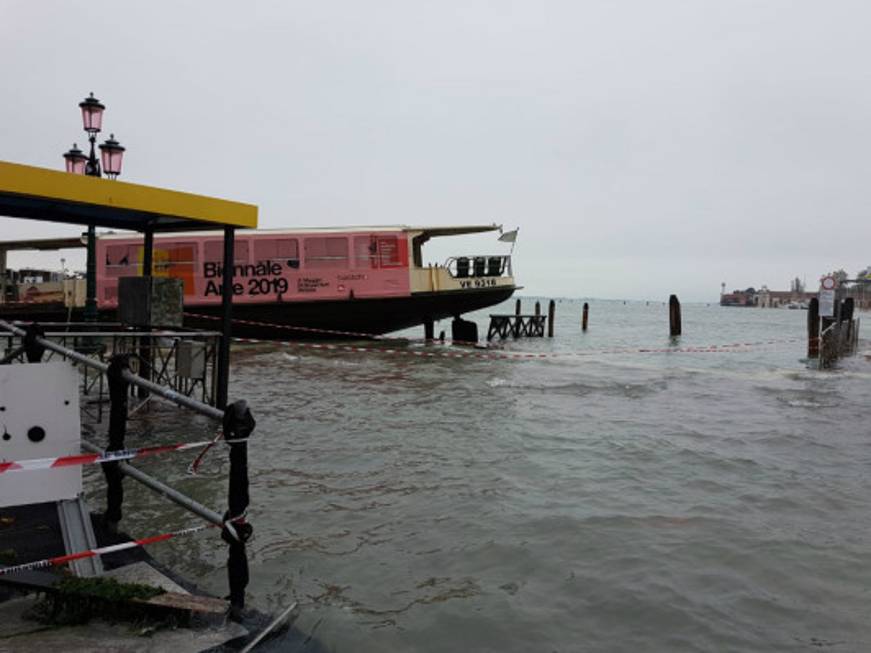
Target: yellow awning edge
59 186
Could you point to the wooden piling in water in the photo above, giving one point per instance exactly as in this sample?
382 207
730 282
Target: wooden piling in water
813 328
674 322
537 308
551 313
517 307
585 316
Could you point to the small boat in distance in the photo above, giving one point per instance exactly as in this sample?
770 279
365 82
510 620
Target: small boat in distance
368 280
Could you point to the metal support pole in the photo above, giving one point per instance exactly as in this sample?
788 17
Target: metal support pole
2 276
226 319
91 276
146 358
148 252
118 387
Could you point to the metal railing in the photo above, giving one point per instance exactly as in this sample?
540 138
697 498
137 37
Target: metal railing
237 425
489 265
184 361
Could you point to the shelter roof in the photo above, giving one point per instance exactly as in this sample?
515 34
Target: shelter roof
42 244
50 195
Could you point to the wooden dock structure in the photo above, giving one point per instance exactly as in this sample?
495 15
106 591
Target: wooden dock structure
517 326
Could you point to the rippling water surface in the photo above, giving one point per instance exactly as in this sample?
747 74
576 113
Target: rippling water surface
597 502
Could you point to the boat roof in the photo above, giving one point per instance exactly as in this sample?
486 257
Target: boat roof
457 230
51 195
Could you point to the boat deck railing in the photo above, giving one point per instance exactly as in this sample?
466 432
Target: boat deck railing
485 265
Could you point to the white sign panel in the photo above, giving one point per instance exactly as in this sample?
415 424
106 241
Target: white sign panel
827 303
39 418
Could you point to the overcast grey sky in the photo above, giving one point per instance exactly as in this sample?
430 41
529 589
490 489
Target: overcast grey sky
643 147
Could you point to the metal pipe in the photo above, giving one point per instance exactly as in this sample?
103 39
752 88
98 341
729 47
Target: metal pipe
162 488
171 395
12 355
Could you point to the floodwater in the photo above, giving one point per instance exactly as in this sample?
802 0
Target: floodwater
627 501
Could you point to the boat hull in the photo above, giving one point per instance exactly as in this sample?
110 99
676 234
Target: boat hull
374 316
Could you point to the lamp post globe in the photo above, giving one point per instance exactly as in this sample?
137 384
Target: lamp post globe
111 154
75 160
92 114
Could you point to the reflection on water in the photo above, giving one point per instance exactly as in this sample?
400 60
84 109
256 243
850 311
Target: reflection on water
614 502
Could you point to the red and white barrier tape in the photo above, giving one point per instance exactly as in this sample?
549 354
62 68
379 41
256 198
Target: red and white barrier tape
329 332
372 336
90 553
713 349
100 458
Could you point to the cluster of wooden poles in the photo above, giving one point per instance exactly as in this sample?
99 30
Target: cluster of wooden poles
674 316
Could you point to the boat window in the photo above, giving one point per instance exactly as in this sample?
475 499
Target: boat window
388 252
330 252
122 260
213 251
376 251
366 252
277 249
177 260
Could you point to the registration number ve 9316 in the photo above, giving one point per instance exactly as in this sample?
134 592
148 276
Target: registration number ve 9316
477 283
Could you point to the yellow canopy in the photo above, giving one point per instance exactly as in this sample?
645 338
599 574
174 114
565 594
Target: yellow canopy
52 195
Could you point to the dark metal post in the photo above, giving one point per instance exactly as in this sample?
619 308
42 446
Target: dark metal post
428 330
551 314
674 322
227 318
33 348
238 425
813 328
585 316
91 277
148 252
118 388
146 360
517 307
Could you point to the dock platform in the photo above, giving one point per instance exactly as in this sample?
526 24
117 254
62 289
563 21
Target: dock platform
517 326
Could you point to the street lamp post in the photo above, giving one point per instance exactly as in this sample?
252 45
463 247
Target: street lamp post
111 154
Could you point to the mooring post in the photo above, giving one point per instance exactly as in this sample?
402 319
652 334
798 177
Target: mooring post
813 328
674 315
537 309
846 317
517 307
118 387
551 313
585 317
238 425
428 330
